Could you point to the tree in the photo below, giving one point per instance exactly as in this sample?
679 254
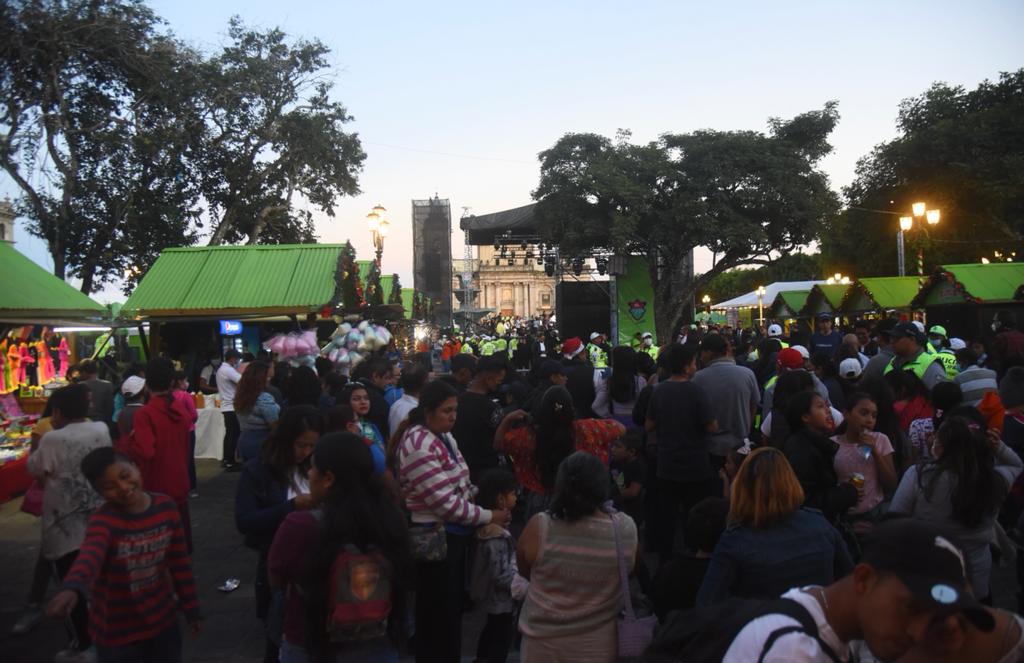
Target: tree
747 196
274 134
374 291
395 296
351 286
957 150
93 96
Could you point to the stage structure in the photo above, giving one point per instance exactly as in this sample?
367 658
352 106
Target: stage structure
432 254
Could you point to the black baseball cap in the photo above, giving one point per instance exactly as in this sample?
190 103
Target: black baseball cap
926 559
908 329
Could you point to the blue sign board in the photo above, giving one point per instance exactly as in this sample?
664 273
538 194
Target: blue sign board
230 327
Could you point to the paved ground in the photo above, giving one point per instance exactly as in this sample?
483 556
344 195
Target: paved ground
231 632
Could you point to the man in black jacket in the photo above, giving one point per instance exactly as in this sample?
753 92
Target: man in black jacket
580 374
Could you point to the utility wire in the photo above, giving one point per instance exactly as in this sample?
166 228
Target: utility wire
447 154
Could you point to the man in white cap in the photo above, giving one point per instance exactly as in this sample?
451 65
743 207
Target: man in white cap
647 346
597 350
938 340
133 389
775 331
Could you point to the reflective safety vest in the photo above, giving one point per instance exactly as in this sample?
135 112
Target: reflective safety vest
930 349
654 351
771 381
918 365
513 345
500 345
949 362
467 349
783 344
487 349
598 357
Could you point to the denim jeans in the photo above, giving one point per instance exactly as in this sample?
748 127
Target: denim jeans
164 647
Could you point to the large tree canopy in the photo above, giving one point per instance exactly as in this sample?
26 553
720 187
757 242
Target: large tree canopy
745 195
123 141
959 151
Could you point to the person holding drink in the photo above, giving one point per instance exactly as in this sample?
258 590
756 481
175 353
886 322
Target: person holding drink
865 459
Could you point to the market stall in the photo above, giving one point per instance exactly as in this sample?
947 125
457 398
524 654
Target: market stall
880 296
824 298
34 358
965 298
787 305
202 301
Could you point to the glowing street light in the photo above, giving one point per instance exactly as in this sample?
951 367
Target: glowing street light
760 304
379 227
919 210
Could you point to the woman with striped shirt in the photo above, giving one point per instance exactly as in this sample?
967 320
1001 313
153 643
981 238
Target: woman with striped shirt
436 487
569 555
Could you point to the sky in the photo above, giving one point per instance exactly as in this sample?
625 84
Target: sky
458 98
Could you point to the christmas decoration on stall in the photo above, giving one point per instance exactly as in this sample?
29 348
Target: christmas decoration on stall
351 344
374 292
351 286
395 296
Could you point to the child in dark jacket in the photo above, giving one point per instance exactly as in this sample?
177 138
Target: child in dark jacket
495 583
812 455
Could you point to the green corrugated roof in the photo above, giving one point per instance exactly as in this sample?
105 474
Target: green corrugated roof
833 293
794 299
226 280
407 294
995 282
824 297
30 292
887 292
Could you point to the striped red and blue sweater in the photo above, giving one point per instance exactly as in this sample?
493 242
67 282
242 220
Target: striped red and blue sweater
131 566
435 480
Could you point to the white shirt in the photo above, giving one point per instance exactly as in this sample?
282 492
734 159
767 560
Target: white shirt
227 385
400 410
206 373
299 485
794 647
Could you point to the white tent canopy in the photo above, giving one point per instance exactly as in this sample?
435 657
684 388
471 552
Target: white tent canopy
749 300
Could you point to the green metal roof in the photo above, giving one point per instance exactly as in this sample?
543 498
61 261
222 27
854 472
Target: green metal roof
972 283
30 293
235 280
794 300
881 293
824 298
407 295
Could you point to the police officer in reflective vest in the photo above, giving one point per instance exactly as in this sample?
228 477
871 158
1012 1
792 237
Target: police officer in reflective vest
908 344
647 346
940 341
597 350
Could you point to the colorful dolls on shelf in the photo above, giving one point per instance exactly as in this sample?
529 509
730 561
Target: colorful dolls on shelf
26 359
14 365
63 352
6 377
44 367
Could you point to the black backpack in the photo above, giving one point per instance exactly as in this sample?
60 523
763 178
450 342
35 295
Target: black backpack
705 634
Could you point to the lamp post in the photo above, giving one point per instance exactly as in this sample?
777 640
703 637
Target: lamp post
838 279
706 301
379 227
918 210
760 305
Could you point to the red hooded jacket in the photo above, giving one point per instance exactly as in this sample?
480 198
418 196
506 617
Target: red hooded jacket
159 446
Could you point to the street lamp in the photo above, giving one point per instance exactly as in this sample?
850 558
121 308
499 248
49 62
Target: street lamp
760 304
838 279
379 227
931 216
706 300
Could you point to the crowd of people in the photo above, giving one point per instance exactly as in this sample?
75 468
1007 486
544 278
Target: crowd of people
779 498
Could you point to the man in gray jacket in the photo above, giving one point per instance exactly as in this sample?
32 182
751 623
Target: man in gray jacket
732 390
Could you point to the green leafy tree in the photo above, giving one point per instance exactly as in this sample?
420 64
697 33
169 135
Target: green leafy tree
274 134
351 286
374 291
958 150
792 267
747 196
96 108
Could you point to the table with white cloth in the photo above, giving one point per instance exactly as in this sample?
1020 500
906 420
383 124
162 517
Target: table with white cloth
210 433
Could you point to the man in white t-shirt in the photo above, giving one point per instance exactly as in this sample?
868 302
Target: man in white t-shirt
414 376
227 384
911 574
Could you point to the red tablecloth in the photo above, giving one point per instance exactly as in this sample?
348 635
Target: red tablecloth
14 478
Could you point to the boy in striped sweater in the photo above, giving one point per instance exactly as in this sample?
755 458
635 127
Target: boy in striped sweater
133 567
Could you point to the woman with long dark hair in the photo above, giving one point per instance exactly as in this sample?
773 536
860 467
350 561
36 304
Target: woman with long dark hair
569 555
438 494
617 393
538 446
255 407
271 487
355 543
962 488
303 387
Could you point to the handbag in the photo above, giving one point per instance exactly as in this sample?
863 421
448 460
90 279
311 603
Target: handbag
429 541
32 503
635 634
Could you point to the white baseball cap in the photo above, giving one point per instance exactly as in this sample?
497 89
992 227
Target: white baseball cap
774 330
850 368
133 385
594 335
957 343
804 352
919 325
